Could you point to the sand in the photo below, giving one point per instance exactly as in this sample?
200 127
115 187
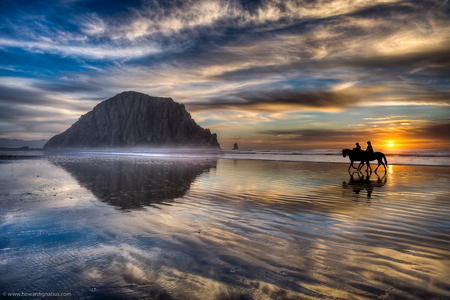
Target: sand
107 227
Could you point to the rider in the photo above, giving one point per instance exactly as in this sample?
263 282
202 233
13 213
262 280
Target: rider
369 149
357 148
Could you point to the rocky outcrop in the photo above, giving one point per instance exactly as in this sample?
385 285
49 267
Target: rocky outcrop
135 119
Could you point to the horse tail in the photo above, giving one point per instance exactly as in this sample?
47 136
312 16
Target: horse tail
385 160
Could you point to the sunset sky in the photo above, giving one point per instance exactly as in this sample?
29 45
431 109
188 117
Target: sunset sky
265 74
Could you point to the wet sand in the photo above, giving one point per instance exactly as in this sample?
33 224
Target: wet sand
101 227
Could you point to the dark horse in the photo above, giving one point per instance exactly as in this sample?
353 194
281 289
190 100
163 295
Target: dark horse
364 157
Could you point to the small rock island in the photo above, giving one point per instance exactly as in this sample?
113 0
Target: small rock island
135 119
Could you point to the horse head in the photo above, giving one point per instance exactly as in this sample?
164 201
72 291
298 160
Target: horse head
345 152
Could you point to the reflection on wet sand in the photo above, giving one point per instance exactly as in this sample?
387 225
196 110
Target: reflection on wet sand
129 184
359 182
243 230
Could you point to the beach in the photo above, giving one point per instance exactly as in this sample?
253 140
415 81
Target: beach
101 226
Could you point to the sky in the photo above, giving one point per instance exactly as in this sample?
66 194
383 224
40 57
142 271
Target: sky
265 74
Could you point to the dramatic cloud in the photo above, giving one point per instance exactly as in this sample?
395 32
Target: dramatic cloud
436 134
91 52
241 67
276 100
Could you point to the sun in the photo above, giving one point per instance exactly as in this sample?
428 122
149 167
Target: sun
390 144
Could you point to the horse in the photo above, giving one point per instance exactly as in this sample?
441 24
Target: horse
364 157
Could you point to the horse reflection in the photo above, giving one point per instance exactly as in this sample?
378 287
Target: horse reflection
363 182
131 184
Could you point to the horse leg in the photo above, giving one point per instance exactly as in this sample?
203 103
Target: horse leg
368 166
380 161
361 164
378 165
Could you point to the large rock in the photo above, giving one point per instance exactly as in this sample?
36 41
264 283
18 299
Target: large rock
135 119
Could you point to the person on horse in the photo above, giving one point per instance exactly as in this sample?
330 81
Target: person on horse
369 150
357 150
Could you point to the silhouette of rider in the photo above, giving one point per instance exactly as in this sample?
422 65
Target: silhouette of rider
369 149
357 148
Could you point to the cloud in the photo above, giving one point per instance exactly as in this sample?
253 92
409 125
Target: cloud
438 131
317 134
140 31
176 18
13 95
87 51
435 132
430 62
29 109
271 100
251 59
35 93
385 118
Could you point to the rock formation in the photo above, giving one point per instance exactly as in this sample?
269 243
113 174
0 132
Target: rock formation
235 146
135 119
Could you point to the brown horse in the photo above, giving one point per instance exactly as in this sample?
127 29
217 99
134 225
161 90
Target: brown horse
364 157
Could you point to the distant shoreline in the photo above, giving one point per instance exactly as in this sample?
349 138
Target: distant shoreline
21 149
